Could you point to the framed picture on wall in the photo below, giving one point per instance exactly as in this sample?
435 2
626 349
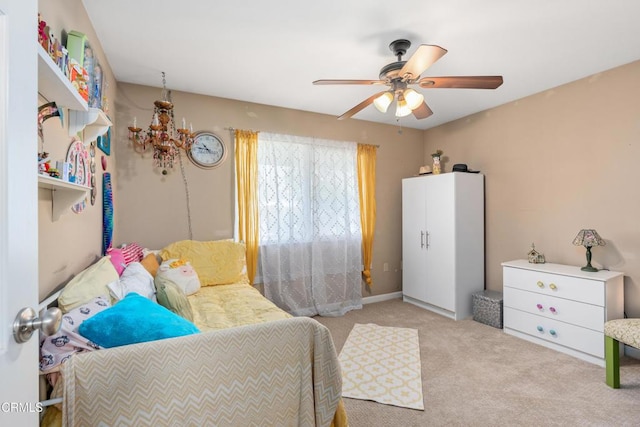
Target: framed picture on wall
104 142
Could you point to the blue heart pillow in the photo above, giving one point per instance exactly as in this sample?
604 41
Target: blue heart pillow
132 320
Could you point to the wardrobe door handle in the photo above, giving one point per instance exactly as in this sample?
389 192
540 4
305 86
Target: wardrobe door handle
428 244
421 239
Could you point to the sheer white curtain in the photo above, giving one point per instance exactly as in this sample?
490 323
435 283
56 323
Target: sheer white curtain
310 257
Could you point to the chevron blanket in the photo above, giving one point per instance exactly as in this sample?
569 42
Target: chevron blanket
280 373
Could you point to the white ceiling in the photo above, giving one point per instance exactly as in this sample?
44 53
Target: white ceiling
270 52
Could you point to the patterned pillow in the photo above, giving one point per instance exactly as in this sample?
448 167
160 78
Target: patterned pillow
57 348
132 252
132 320
217 262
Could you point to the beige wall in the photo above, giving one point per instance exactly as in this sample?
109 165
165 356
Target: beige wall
70 244
151 208
556 162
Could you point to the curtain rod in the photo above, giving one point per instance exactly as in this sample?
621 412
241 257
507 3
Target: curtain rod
232 129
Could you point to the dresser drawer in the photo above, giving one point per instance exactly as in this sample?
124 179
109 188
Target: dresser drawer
572 336
574 288
578 313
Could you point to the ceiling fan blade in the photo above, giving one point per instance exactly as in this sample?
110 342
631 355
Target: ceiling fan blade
349 82
422 112
461 82
422 59
360 106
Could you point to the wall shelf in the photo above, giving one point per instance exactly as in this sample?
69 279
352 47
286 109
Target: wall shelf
54 86
94 122
64 194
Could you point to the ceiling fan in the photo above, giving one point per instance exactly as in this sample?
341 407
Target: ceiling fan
399 75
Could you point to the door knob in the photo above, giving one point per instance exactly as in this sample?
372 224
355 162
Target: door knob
27 321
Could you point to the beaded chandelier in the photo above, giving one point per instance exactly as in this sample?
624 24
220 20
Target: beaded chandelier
162 136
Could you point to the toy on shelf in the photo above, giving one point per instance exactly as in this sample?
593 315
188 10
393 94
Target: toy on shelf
44 163
43 33
53 46
79 78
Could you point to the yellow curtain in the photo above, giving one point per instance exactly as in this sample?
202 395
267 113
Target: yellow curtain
247 186
367 192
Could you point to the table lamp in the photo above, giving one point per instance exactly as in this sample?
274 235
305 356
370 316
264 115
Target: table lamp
588 238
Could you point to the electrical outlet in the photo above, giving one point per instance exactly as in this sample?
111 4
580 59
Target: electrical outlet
385 266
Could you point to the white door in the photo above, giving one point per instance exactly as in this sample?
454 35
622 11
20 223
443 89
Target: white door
440 259
414 238
18 208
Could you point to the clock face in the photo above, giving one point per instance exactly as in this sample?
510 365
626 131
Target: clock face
207 150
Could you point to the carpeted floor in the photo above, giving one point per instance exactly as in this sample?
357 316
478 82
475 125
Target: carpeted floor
476 375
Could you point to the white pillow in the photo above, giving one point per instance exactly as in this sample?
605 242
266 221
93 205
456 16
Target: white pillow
181 273
87 285
135 278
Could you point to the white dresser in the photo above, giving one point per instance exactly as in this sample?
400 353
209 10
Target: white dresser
561 307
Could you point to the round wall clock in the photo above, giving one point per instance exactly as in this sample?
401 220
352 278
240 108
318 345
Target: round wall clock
207 150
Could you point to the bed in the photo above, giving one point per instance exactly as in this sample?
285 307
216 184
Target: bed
247 363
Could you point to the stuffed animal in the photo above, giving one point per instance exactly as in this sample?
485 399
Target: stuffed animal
44 163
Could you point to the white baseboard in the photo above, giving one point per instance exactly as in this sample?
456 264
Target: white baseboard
632 352
380 298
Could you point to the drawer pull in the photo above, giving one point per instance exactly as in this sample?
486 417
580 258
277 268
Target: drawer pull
552 332
553 286
540 329
539 306
552 309
540 284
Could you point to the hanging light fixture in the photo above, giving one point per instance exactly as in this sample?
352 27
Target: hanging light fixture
413 98
402 109
407 99
163 136
383 101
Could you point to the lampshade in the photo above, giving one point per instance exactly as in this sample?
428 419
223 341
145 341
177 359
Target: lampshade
413 98
402 109
383 101
588 238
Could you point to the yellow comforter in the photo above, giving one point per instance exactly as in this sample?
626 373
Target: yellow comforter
227 306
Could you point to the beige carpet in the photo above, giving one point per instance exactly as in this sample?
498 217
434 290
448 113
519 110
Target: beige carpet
382 364
476 375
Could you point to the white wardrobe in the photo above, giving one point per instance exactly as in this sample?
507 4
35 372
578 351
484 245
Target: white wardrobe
443 241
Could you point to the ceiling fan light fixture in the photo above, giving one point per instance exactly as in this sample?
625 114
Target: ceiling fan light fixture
383 101
402 110
413 98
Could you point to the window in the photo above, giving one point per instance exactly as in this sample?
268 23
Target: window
310 238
